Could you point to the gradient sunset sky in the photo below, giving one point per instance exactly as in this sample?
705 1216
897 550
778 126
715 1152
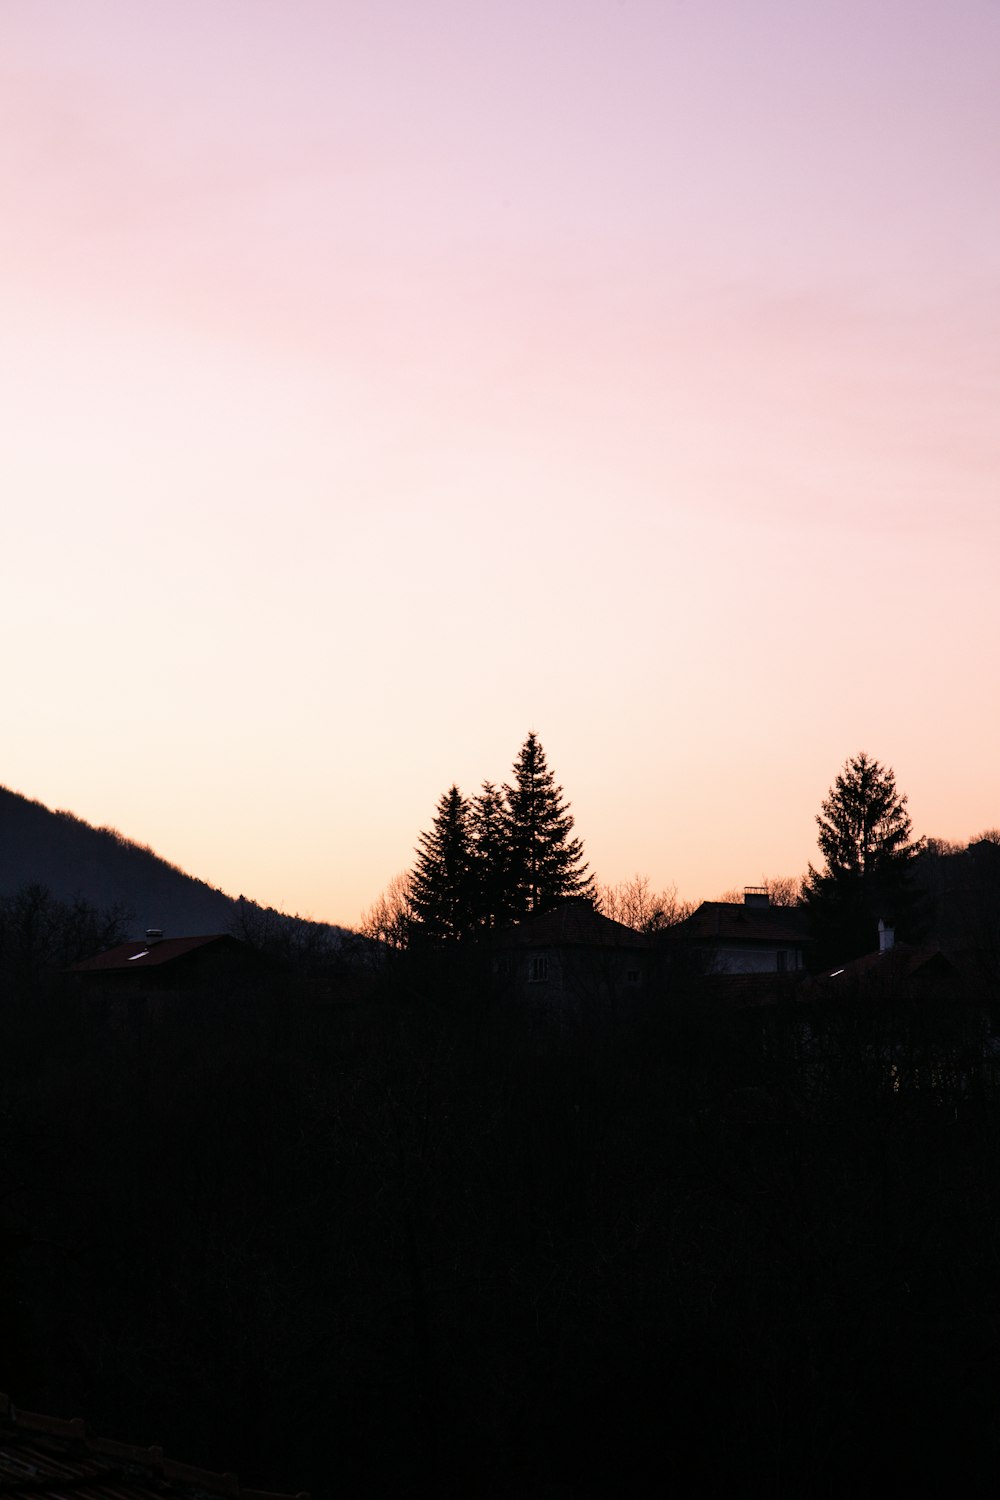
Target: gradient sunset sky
382 380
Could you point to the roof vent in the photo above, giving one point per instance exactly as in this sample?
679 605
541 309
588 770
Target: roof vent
756 895
154 935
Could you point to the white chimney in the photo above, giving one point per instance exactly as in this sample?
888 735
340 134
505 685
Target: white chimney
886 937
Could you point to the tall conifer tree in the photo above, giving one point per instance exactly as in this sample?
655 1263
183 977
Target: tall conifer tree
864 837
546 863
442 886
491 858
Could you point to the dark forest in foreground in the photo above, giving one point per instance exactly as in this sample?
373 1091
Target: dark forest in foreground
435 1242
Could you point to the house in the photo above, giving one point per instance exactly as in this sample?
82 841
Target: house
907 1016
571 951
912 969
48 1458
161 968
749 937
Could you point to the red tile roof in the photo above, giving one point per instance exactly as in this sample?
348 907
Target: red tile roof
904 961
143 955
48 1458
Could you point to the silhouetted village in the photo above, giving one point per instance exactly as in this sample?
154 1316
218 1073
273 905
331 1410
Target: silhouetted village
531 1187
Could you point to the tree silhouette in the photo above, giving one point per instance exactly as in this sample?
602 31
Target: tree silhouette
387 922
487 861
442 886
634 903
864 837
546 864
490 858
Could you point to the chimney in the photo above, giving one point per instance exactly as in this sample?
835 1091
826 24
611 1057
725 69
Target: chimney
153 935
886 937
756 895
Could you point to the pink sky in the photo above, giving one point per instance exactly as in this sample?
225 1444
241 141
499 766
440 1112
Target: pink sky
381 381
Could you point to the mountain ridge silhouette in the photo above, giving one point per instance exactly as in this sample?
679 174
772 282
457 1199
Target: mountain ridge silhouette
72 858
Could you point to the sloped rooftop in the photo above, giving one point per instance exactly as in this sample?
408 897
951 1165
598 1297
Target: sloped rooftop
571 924
733 921
904 961
148 955
49 1458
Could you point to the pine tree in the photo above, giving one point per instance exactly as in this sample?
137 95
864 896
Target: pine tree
545 863
442 885
864 837
489 823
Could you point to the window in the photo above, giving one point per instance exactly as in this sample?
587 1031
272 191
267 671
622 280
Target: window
538 969
632 976
782 962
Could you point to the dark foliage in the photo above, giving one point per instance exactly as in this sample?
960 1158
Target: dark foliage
430 1244
963 892
442 889
491 859
309 947
868 870
489 862
40 936
546 863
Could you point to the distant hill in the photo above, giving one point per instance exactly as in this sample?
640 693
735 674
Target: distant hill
71 858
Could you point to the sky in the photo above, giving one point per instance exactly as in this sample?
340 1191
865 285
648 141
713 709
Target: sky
381 381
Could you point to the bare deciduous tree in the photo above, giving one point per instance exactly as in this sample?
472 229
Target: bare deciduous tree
389 919
635 903
782 890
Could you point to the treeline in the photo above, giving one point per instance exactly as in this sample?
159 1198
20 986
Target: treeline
486 861
493 859
41 935
874 870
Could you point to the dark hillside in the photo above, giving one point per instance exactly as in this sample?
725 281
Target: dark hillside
72 859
